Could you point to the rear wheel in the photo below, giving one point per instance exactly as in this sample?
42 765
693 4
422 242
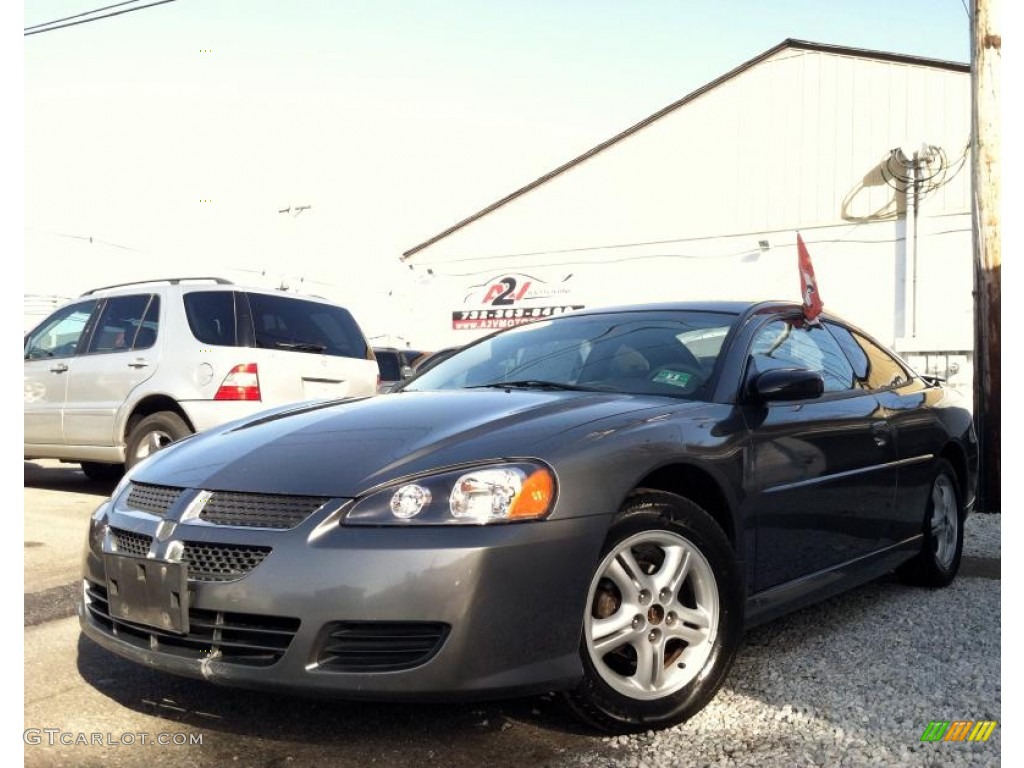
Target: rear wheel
938 561
102 472
152 433
663 620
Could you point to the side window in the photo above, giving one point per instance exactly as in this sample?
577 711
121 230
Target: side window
147 333
875 368
211 317
118 323
791 344
851 348
59 334
884 371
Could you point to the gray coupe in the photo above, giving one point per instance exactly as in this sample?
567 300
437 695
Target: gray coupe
599 503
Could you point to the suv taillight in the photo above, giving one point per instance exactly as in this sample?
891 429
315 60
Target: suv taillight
242 383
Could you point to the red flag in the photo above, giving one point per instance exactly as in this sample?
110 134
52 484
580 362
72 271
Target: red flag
808 284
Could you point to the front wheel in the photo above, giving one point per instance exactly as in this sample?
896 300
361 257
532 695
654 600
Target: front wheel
664 617
938 561
152 433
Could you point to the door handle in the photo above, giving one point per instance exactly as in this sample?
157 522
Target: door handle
140 363
880 431
58 368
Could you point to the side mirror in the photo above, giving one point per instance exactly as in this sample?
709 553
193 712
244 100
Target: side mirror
787 384
407 372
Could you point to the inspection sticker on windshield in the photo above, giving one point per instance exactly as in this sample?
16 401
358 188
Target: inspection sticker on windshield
675 378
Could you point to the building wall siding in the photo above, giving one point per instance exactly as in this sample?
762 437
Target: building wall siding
796 142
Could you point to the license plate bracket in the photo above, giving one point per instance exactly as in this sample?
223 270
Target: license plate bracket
150 592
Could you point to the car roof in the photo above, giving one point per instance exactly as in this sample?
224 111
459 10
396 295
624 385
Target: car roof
729 307
196 284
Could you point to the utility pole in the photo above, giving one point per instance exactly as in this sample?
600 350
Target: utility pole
986 55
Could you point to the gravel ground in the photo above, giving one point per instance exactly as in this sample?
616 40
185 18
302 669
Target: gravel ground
853 681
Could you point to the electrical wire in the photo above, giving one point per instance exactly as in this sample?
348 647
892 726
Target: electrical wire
438 272
80 15
50 26
896 171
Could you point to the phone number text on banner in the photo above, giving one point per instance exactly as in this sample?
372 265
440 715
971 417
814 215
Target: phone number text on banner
493 319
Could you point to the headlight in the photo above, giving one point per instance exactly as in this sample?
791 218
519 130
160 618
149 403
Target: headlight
98 529
497 493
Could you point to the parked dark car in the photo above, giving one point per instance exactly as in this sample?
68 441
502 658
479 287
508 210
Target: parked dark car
395 365
430 359
600 503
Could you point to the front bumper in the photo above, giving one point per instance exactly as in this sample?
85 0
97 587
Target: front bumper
509 597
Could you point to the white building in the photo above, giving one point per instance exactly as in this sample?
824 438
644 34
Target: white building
864 153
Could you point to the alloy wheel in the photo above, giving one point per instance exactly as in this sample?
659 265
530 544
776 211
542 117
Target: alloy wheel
653 616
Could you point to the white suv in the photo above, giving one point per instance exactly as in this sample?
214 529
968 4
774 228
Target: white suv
124 370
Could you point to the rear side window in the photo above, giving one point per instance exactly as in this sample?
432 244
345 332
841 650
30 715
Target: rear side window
211 317
875 367
146 336
283 322
119 323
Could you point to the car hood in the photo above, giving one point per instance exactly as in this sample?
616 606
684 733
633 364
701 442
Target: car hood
342 449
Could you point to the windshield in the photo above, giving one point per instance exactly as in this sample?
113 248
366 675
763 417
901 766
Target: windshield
644 352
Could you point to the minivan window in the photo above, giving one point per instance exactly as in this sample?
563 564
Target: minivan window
284 322
146 337
118 323
58 335
211 317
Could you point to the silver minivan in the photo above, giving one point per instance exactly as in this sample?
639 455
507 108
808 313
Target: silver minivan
122 371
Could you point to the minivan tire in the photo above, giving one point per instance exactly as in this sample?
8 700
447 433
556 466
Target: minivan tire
152 433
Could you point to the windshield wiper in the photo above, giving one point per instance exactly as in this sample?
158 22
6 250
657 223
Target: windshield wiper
530 384
301 346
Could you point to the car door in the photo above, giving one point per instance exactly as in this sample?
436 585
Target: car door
823 469
49 354
121 354
918 432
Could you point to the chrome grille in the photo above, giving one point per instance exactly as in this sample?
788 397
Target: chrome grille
152 498
258 510
221 562
131 543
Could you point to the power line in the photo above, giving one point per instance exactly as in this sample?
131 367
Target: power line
79 15
50 26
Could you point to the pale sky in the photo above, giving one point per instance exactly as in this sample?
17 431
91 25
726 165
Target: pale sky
172 136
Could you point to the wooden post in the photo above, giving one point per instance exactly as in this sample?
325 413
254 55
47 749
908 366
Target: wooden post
986 55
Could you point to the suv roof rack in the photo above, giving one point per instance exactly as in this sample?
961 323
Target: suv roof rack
171 280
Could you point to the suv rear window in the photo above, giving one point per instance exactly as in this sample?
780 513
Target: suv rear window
278 322
211 317
284 322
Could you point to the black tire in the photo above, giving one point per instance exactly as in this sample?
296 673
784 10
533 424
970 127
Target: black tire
937 563
153 433
655 525
102 472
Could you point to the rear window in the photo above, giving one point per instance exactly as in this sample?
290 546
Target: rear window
283 322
